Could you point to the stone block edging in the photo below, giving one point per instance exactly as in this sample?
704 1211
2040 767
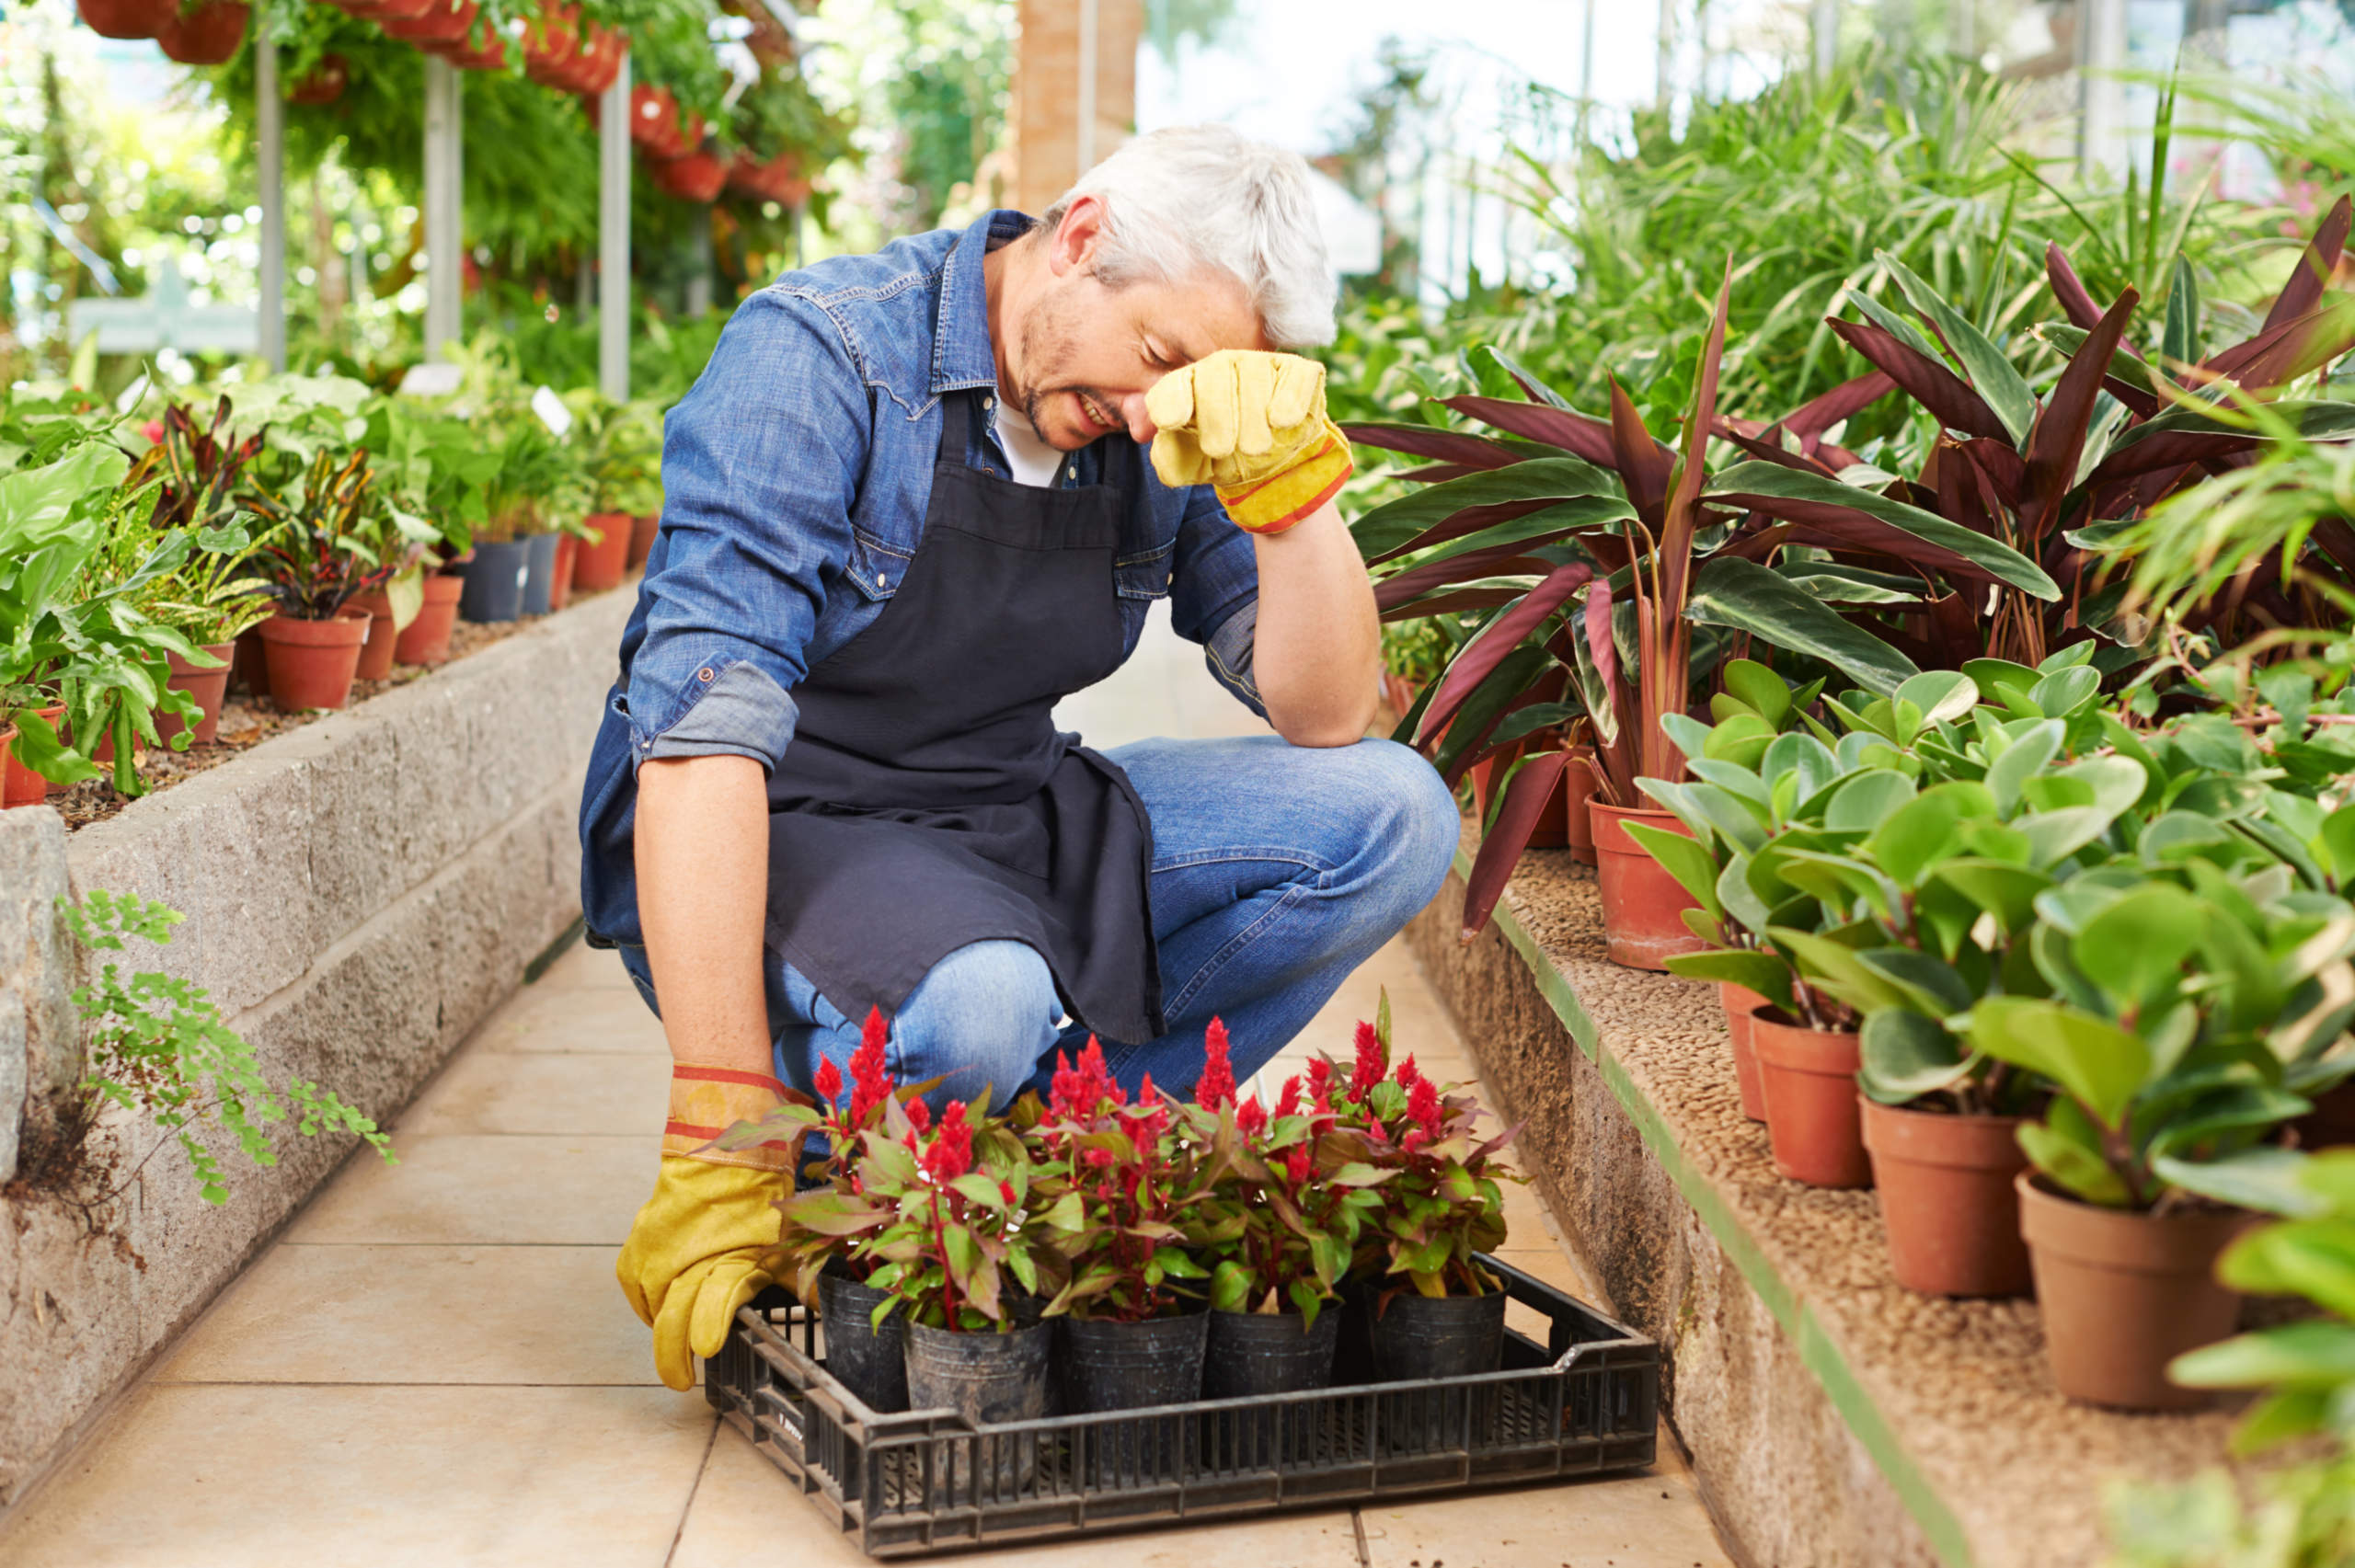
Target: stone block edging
360 893
1833 1418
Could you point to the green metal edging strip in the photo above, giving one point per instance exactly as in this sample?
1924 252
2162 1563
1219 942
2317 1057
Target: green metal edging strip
1816 1350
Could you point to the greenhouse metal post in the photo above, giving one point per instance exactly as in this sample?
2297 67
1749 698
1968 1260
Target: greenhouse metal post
444 281
612 238
269 160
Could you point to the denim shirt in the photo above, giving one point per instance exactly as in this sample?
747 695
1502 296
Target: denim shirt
796 474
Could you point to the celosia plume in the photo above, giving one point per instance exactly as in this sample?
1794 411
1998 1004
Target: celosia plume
1299 1162
1373 1065
870 1078
950 1154
830 1080
1216 1086
1288 1100
1250 1116
1408 1072
1422 1104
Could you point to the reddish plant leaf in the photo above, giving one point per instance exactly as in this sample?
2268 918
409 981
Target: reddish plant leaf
1446 604
1469 521
1682 520
2002 466
2058 438
1473 664
1524 804
1427 441
1768 451
1574 433
1496 561
2174 449
1644 464
1437 473
2302 292
1945 395
1598 645
2076 299
1819 414
2294 348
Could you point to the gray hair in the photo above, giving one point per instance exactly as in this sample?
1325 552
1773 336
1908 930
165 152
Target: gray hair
1195 196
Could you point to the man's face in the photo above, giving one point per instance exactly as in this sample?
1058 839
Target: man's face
1083 355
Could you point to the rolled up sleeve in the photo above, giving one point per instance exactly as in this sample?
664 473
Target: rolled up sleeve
1214 593
760 470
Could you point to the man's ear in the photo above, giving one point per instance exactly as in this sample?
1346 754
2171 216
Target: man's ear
1071 247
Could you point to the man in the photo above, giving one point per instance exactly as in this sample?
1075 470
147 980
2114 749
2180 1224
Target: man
906 508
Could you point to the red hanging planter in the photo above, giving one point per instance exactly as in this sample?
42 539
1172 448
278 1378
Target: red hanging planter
698 177
448 21
207 35
654 121
491 56
600 60
772 179
324 85
552 46
126 19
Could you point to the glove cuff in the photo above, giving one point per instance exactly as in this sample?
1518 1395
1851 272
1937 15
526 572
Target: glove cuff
708 1101
1272 504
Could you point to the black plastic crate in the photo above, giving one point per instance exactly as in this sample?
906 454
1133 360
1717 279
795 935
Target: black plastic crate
1585 1403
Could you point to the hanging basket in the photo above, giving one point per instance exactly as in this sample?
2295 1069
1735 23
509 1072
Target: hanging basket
600 60
698 177
491 56
770 179
126 19
552 45
448 21
654 122
324 85
209 35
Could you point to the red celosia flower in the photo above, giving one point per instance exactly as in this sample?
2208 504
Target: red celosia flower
1076 1092
1415 1138
1216 1086
1098 1158
1288 1101
950 1154
1006 1191
1297 1163
1373 1065
830 1080
1320 1073
1408 1073
1422 1103
870 1080
920 1114
1250 1116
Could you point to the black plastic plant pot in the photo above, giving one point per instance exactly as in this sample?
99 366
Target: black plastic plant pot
871 1363
1114 1365
1421 1337
494 589
989 1379
539 573
1252 1354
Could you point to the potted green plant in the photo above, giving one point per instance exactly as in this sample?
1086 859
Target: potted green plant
211 598
624 461
319 553
434 469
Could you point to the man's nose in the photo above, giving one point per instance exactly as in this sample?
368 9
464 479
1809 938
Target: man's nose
1141 426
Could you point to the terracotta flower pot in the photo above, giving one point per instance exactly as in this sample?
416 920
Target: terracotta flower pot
1947 1199
8 758
126 19
1740 1003
312 662
324 85
601 59
1577 799
445 22
19 785
654 120
1808 1078
601 565
491 56
568 551
2331 1124
2122 1293
693 177
209 687
1643 907
207 35
248 671
376 653
641 537
426 640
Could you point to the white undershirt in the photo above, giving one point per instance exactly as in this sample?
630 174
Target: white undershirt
1032 460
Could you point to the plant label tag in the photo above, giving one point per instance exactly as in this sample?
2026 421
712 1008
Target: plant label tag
435 380
552 412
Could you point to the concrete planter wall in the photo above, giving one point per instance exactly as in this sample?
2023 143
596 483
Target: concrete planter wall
360 894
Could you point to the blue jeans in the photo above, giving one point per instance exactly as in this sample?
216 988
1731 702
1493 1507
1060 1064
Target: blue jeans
1277 870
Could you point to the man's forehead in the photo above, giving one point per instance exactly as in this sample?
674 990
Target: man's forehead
1200 317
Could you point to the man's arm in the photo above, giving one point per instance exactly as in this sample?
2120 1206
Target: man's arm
1317 650
703 863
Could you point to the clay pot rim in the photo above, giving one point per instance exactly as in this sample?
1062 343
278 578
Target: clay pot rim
319 633
2126 1240
1990 1141
1823 1043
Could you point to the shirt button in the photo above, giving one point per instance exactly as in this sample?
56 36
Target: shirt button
988 401
703 674
881 581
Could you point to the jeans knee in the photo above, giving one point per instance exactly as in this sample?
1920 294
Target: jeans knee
979 1019
1412 825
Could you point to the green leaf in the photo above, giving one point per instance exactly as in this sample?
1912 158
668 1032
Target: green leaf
1772 488
1931 985
2054 835
1761 972
2262 1179
1358 1174
2076 1168
2006 892
2102 1066
1866 800
1915 837
2134 948
1742 596
2029 751
1942 695
2064 691
1835 968
1694 870
2181 343
1398 522
1989 370
1754 683
1905 1054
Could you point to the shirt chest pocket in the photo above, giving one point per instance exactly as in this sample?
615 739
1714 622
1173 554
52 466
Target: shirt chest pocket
875 568
1144 575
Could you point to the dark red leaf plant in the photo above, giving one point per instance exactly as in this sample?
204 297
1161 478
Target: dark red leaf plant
1142 1190
1286 1217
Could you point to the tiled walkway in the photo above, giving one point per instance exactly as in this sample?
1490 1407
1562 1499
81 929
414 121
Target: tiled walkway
432 1366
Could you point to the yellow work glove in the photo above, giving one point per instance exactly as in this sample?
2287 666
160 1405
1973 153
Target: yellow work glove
706 1242
1254 426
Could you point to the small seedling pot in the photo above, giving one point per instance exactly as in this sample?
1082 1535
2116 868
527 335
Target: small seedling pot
1947 1199
207 35
1116 1366
376 653
495 579
1809 1080
19 785
601 564
426 640
1417 1338
1251 1353
539 572
1643 906
987 1378
2122 1293
1740 1003
311 663
871 1363
209 687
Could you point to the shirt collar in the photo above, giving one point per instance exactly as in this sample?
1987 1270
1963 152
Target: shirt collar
960 339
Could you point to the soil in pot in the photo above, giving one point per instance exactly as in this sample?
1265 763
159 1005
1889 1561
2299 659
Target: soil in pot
426 640
1740 1003
1809 1080
19 785
494 580
567 547
1947 1199
600 566
1577 799
539 572
871 1363
2331 1124
642 530
376 653
312 662
1264 1353
2122 1293
209 687
987 1378
1643 907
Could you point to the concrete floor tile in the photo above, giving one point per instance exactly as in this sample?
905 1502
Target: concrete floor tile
744 1508
588 1021
586 967
202 1476
1638 1522
543 1092
419 1315
576 1191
